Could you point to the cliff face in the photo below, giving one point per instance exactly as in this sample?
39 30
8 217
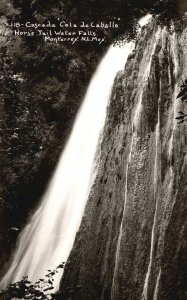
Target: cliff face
132 240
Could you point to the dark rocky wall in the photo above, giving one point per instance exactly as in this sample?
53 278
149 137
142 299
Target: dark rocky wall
132 240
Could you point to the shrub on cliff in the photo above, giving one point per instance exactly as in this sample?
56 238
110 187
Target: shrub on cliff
25 289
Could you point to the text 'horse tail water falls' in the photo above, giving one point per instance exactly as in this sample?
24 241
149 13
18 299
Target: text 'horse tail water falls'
48 237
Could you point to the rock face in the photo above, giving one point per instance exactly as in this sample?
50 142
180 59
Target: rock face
132 240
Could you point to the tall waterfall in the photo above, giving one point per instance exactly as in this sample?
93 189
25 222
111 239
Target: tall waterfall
48 237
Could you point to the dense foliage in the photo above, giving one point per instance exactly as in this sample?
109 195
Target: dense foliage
42 289
182 95
166 11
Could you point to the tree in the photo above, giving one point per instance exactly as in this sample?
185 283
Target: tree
25 289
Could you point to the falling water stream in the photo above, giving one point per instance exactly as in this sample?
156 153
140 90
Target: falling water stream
48 237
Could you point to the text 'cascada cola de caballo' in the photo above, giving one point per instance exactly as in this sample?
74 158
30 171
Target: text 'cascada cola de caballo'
48 237
131 240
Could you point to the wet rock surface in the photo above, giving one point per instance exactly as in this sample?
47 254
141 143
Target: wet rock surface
132 240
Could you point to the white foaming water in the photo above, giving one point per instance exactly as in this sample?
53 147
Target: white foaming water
48 238
143 21
155 297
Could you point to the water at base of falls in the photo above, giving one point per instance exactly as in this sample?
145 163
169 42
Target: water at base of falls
48 237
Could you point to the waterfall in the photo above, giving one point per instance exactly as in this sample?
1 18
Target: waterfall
48 237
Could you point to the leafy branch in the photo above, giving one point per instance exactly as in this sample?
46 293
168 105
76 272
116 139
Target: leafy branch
183 97
25 289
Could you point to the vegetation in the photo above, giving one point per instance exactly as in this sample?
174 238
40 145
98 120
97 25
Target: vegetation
129 12
42 289
183 97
